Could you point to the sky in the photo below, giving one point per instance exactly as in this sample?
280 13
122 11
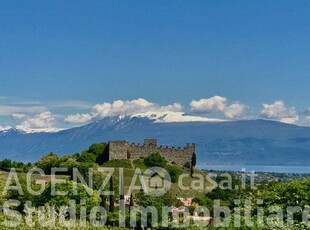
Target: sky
67 63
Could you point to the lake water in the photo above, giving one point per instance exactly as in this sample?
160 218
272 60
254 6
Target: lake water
257 168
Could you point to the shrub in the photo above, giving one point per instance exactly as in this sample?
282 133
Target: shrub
155 160
82 194
174 172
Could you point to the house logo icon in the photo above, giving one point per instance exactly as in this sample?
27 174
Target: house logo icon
157 181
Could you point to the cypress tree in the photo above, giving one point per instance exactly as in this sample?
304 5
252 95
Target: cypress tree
111 208
103 201
194 159
131 201
192 171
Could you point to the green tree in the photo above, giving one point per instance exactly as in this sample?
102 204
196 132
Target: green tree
91 197
194 159
155 160
87 157
158 202
192 171
112 196
47 162
99 150
174 172
131 203
5 164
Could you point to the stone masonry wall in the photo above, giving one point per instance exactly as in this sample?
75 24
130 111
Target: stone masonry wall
117 150
124 150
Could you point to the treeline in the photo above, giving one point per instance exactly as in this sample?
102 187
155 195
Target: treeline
7 164
94 155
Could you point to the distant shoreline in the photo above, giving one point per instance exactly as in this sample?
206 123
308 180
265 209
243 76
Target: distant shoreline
257 168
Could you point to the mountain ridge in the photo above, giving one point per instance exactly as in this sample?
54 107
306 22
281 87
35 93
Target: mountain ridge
227 142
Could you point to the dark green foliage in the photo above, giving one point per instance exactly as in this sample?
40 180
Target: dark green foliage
203 201
100 151
131 203
82 161
192 171
194 159
87 157
155 160
83 193
47 162
5 164
157 202
287 194
27 196
112 196
96 149
226 194
95 154
174 172
103 201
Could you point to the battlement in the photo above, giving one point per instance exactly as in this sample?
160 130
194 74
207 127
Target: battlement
176 155
150 142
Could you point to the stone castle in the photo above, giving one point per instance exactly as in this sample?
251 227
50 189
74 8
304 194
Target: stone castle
124 150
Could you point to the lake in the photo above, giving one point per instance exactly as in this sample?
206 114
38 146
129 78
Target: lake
257 168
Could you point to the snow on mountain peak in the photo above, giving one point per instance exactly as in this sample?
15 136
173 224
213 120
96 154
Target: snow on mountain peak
5 128
169 116
43 130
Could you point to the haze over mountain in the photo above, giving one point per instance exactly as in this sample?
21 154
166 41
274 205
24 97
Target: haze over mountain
218 142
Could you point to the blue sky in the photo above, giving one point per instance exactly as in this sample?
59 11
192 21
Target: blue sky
67 56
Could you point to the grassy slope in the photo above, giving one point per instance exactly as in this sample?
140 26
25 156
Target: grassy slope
129 170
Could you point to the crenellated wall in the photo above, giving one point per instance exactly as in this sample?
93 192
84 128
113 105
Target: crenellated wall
124 150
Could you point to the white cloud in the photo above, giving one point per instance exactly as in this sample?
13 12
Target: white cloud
18 116
219 105
78 118
5 128
235 111
210 105
43 122
131 107
10 109
121 107
278 111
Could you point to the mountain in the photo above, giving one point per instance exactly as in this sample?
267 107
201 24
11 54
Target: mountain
228 142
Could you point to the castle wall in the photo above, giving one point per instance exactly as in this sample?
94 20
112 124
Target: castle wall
179 156
117 150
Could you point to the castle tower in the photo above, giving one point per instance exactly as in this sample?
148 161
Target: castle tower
150 143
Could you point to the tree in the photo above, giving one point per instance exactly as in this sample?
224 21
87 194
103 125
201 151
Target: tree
131 204
103 201
5 164
87 157
47 162
91 197
155 160
158 202
69 163
192 171
112 198
97 149
174 172
194 159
